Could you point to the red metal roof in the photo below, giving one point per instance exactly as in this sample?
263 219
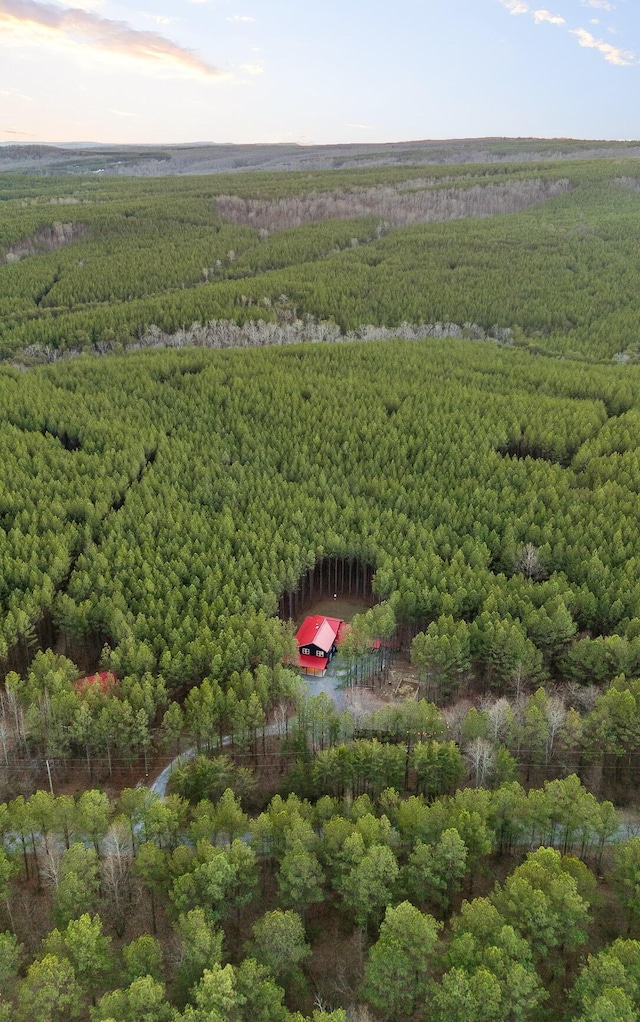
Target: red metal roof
315 663
319 631
105 679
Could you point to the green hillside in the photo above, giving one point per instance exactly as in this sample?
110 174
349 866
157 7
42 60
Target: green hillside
546 251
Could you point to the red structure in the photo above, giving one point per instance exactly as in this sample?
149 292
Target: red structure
318 639
105 679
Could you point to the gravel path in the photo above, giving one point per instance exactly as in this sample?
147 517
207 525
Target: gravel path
329 684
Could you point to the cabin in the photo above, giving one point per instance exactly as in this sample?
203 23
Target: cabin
318 639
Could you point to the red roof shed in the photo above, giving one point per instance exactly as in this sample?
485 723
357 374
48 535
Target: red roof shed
105 679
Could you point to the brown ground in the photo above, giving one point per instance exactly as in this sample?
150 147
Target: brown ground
75 779
403 679
365 700
344 607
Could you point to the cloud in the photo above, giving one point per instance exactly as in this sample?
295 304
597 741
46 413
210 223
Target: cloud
252 69
600 5
31 21
240 17
613 54
85 5
160 19
515 6
553 19
17 134
13 93
539 16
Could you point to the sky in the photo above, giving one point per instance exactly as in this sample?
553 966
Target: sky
310 72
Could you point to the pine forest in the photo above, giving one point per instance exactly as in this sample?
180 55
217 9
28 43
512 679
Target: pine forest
405 396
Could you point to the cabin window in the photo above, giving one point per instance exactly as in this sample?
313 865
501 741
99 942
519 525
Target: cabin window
319 652
305 651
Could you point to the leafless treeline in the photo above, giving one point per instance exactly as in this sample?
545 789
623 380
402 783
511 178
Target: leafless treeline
224 333
45 240
257 333
396 206
628 182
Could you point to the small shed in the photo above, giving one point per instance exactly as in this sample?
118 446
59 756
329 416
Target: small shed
104 680
318 639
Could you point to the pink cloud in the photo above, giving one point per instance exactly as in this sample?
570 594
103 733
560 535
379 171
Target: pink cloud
85 27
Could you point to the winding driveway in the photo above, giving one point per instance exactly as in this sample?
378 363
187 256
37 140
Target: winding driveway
330 684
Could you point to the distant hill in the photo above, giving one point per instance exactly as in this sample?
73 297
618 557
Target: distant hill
209 158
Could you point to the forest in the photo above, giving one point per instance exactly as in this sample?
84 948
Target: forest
540 255
200 158
408 388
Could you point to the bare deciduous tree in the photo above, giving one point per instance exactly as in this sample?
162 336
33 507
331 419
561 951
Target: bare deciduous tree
455 716
480 758
115 871
528 563
556 715
499 715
